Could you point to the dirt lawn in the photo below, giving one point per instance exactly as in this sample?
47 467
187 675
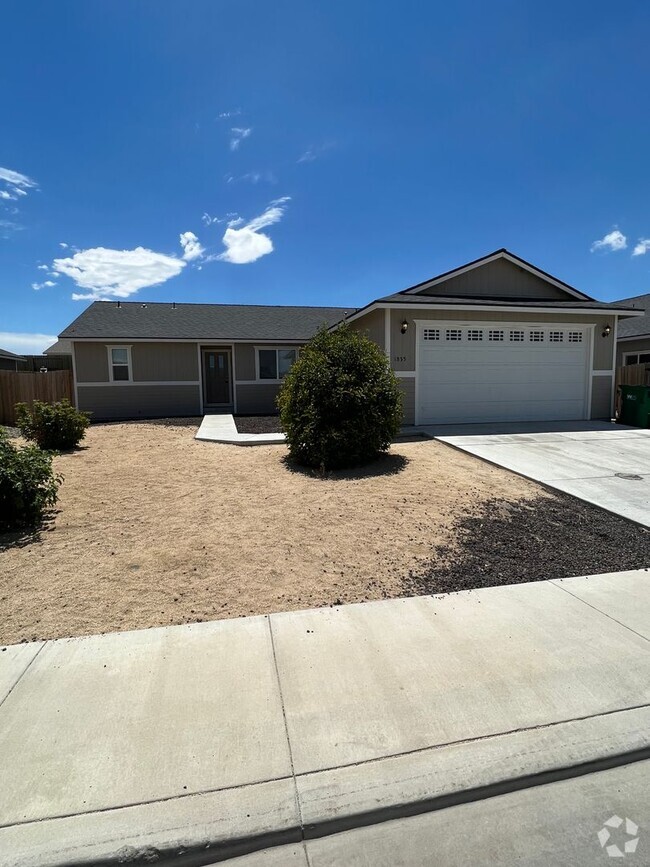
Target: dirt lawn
154 528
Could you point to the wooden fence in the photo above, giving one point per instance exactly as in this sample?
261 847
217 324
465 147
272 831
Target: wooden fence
633 374
24 387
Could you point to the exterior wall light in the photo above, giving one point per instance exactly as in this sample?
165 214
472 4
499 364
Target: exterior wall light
607 330
404 326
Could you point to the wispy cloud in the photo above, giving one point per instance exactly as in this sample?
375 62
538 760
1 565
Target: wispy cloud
47 284
314 152
208 220
17 180
642 246
612 242
251 177
192 249
237 136
23 342
106 273
246 243
224 115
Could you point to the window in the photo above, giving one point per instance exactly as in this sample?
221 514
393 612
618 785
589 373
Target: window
495 336
637 358
536 336
453 334
474 334
432 334
119 363
516 336
556 336
275 363
575 336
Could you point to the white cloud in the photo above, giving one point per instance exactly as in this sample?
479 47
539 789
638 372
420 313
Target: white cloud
613 241
192 249
47 284
63 246
641 247
238 135
226 114
314 152
7 196
109 273
207 220
43 267
29 344
15 179
249 243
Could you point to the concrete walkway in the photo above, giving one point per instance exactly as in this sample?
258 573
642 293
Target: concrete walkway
193 744
599 462
222 429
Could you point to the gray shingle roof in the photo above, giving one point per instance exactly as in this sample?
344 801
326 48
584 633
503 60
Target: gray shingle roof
637 326
4 353
61 347
155 321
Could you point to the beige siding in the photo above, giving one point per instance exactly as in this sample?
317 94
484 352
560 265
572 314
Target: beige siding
601 397
500 278
91 361
139 401
372 324
407 386
640 345
165 362
403 345
152 362
257 398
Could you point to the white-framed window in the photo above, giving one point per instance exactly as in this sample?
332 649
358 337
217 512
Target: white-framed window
496 335
274 364
575 336
536 336
556 336
516 336
432 334
453 334
636 358
474 334
119 363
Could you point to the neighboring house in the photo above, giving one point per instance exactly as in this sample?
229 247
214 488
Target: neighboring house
494 340
10 361
61 347
633 338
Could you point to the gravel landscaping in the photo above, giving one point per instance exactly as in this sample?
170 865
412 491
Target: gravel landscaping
532 540
258 424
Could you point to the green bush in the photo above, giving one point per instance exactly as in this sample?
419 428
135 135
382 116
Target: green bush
340 404
28 485
52 426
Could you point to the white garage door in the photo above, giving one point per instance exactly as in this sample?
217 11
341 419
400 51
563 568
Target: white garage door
500 371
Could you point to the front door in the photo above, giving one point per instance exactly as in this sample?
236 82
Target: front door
216 365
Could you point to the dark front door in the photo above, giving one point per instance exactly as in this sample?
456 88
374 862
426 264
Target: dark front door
217 376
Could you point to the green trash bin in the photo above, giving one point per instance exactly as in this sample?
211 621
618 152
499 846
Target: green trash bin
635 405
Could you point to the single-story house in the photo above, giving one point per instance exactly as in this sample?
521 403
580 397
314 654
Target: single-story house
633 338
494 340
11 361
60 347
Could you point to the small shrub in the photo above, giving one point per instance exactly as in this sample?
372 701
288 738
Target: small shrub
340 404
28 484
52 426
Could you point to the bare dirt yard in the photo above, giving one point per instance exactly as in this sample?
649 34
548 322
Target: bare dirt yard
153 527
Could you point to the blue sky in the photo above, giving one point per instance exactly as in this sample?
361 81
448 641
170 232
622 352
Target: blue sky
314 153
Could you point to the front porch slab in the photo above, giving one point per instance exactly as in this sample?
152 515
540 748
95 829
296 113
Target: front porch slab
222 429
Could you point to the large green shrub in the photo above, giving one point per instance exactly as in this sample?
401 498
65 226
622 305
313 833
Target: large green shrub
53 426
28 485
340 403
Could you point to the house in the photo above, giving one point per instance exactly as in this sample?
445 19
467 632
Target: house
10 361
60 347
494 340
633 338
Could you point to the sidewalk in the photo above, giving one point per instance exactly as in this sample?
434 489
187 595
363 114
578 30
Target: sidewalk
192 744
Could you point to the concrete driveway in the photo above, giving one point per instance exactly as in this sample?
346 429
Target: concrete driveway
599 462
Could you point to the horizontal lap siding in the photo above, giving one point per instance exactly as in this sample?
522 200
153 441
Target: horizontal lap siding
257 398
498 279
139 401
407 387
601 397
152 362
